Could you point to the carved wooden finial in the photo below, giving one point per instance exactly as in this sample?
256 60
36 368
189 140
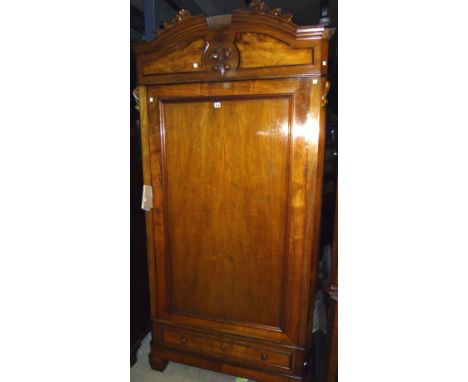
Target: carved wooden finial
181 15
258 6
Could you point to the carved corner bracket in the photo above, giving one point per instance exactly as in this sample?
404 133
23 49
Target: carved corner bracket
136 95
181 15
259 7
326 89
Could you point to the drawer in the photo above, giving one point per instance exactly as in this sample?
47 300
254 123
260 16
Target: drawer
229 350
252 354
193 342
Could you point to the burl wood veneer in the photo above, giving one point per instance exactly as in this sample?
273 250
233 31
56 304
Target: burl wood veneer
232 127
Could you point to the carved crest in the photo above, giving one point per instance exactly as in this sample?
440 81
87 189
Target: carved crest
258 6
181 15
256 40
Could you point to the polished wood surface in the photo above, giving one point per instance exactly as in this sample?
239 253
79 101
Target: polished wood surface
302 164
189 341
183 60
265 358
235 158
265 139
259 50
245 45
221 347
227 217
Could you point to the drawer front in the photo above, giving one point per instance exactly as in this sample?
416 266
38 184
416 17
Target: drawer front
265 357
192 342
229 350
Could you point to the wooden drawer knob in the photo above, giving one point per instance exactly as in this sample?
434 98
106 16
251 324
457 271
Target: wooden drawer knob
264 357
183 340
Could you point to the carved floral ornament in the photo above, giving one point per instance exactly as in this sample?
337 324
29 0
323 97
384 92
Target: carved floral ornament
258 6
220 57
255 7
181 15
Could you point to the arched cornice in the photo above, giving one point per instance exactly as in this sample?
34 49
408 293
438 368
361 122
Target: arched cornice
231 46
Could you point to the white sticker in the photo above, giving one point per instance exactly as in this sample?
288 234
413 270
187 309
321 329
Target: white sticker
147 198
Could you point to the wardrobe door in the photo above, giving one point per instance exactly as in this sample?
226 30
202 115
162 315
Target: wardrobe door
231 170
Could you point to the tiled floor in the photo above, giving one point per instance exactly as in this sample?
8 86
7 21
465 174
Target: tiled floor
175 372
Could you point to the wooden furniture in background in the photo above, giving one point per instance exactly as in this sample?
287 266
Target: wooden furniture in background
140 323
332 290
232 123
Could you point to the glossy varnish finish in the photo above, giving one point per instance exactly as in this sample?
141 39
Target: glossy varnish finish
234 153
273 48
259 50
183 60
227 217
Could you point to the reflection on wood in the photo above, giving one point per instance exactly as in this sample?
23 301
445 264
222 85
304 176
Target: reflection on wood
260 50
227 198
184 60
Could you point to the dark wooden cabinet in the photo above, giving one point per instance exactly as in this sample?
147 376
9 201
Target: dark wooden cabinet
232 122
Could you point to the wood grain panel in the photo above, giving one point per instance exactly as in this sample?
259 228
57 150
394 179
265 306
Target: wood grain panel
147 179
227 192
302 182
182 60
253 355
192 342
258 50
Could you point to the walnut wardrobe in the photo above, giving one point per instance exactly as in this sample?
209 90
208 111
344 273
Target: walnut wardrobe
232 129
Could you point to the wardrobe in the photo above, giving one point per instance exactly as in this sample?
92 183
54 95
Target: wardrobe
232 116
